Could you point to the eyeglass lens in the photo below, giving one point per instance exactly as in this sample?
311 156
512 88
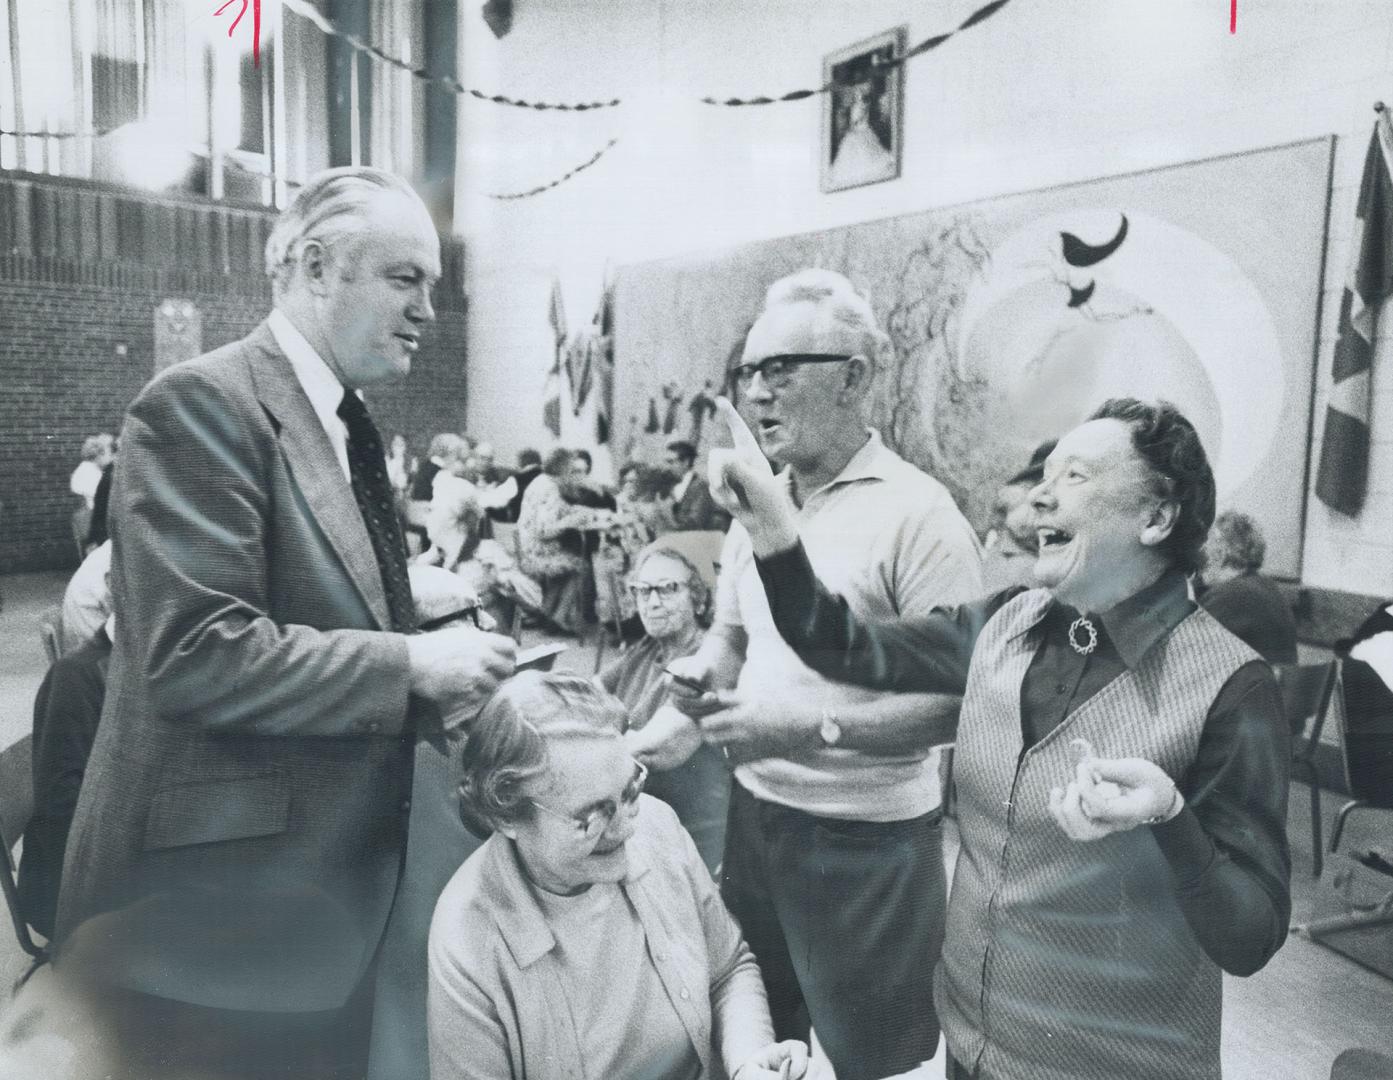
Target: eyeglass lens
777 370
599 819
664 589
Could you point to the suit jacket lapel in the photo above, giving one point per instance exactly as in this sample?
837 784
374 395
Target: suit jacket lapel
316 469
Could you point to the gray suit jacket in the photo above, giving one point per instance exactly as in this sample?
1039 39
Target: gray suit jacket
240 831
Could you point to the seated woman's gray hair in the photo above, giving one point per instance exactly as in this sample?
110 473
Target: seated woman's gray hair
508 744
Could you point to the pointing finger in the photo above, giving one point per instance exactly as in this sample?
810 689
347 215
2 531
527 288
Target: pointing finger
741 437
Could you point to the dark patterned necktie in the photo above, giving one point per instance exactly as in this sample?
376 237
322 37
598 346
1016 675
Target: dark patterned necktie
368 468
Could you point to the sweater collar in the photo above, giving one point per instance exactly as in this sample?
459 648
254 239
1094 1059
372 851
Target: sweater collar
520 918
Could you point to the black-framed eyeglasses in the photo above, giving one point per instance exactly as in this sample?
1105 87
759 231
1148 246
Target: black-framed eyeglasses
663 589
592 824
778 369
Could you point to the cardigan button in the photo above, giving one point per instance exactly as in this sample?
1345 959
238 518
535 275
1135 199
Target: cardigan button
686 994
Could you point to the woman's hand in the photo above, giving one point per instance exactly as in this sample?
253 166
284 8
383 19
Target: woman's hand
744 485
786 1060
1113 795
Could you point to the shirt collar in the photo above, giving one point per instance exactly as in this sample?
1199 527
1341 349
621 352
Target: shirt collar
316 377
868 463
520 918
1137 623
1144 618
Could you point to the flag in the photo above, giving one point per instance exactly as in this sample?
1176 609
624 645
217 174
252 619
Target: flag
1344 454
604 364
551 393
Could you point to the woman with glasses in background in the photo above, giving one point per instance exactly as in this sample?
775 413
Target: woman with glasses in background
674 605
585 938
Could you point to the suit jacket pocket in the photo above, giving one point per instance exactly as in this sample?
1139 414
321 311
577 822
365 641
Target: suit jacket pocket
204 813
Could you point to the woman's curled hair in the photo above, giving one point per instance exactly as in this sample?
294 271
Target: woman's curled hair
508 747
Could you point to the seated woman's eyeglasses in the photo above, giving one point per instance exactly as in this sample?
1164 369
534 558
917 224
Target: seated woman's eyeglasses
778 369
666 589
593 823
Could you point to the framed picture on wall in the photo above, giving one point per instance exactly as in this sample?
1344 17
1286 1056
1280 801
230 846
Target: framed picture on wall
863 113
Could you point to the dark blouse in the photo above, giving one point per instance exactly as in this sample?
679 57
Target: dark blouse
1227 847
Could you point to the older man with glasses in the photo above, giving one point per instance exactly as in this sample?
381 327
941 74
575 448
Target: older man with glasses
833 861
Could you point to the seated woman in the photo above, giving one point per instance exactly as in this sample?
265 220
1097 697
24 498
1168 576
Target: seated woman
1245 603
453 529
674 604
549 545
586 929
452 522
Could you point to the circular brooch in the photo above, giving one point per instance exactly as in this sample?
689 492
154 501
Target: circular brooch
1082 628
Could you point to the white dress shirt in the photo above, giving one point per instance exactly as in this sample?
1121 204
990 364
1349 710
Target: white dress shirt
318 381
679 489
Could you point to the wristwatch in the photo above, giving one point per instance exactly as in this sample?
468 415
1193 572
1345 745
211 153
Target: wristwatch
829 731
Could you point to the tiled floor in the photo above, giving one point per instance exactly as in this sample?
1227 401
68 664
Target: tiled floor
1288 1021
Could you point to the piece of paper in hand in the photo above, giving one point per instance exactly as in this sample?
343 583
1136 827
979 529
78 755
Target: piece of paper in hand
540 656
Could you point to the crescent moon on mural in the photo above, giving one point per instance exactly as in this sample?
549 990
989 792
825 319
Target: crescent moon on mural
1163 315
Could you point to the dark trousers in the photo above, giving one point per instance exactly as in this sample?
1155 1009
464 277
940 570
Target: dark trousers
846 921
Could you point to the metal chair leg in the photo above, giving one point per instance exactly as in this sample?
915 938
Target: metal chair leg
1317 844
1345 810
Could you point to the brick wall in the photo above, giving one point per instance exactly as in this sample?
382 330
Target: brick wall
61 380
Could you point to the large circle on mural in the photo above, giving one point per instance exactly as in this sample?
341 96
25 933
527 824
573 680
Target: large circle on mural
1167 315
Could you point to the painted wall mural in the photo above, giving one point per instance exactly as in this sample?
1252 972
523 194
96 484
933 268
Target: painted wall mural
1011 319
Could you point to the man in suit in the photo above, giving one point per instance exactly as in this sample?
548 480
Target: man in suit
692 505
240 834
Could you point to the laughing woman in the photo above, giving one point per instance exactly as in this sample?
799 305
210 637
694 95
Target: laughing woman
1121 762
585 938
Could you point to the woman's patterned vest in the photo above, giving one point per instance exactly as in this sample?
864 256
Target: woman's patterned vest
1066 960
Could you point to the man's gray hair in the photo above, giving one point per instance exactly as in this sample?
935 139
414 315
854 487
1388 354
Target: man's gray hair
332 205
839 307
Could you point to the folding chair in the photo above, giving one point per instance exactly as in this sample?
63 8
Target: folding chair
1306 693
16 806
612 585
1366 742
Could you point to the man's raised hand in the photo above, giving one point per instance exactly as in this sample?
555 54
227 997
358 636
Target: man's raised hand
744 484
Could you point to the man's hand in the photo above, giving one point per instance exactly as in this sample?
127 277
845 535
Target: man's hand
745 486
458 668
666 741
749 729
1113 795
688 678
